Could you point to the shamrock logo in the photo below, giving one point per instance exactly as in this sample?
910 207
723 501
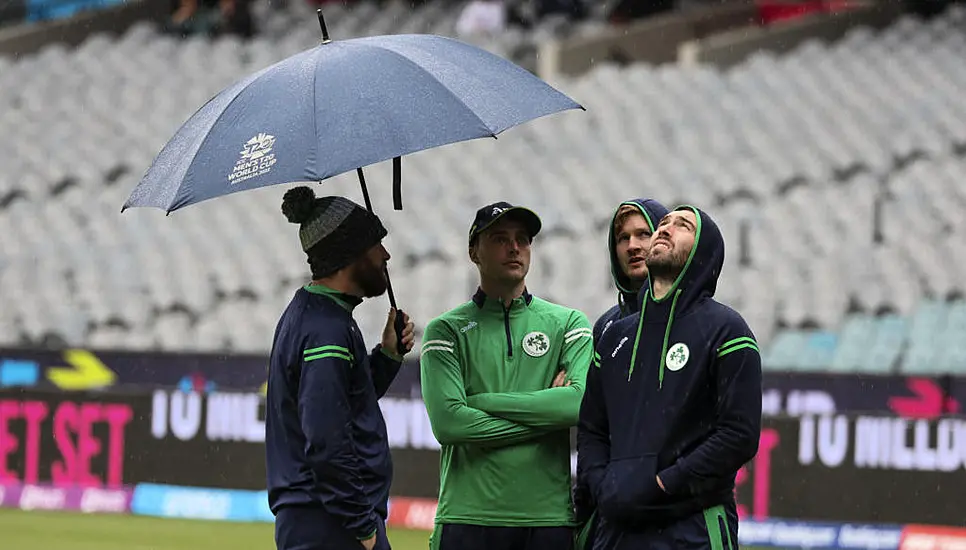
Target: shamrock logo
536 344
677 357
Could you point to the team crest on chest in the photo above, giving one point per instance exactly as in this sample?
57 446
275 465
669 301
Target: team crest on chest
536 344
677 356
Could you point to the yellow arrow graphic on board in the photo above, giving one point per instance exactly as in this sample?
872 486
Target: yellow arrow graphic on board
86 371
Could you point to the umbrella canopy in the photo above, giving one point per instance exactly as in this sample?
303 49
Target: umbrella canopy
340 106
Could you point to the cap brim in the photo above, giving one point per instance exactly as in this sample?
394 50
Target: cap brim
527 217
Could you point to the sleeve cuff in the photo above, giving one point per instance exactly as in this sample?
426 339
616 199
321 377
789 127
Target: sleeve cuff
674 479
389 355
370 535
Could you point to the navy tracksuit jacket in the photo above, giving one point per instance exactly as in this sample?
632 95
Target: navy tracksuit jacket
676 392
327 451
628 303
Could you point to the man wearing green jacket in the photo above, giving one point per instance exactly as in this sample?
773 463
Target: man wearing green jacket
502 378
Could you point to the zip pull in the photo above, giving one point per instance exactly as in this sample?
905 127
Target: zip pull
506 326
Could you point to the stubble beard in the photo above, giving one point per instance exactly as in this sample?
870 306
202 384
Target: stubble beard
666 266
370 278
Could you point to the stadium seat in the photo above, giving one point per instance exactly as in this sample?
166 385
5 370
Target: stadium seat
785 350
803 148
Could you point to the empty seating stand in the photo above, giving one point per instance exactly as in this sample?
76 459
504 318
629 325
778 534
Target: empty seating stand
797 156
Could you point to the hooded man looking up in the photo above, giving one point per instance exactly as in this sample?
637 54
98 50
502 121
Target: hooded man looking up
327 450
674 408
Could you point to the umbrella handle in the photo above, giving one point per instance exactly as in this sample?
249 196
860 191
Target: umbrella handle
399 325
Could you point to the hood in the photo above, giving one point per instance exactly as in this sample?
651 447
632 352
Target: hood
653 211
698 280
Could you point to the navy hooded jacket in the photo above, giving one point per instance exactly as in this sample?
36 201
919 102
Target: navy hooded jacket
675 391
627 300
628 303
325 437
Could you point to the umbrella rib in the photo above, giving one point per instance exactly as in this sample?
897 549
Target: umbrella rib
173 205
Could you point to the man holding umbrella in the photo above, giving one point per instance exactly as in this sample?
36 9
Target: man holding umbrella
502 379
328 461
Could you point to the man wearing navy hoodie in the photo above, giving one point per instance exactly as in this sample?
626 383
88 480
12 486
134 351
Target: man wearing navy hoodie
628 238
327 451
674 408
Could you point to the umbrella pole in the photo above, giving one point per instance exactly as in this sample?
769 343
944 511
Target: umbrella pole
365 196
399 324
365 190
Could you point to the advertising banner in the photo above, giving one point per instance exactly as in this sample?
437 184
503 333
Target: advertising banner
49 497
830 467
877 469
790 394
80 369
419 513
67 439
95 439
825 535
931 537
794 394
200 503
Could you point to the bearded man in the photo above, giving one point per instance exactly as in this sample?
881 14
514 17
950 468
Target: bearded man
327 450
673 410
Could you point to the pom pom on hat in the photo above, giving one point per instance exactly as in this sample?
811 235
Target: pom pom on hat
298 204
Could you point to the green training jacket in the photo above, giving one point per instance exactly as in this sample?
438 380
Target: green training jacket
505 434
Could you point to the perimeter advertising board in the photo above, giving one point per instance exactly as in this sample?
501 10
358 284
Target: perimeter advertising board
881 469
784 393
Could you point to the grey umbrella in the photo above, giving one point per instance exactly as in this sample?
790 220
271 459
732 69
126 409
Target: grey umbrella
340 106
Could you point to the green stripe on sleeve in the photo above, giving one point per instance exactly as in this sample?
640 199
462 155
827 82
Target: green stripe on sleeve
752 345
325 354
325 348
730 343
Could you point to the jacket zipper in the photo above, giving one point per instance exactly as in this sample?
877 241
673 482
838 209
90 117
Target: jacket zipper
506 326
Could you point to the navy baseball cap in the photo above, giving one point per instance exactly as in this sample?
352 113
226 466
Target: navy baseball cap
489 214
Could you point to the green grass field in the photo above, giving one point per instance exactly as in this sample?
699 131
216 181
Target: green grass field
74 531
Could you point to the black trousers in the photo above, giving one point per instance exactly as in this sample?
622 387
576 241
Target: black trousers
452 536
312 528
714 529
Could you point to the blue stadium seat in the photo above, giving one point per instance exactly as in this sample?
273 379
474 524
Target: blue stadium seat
889 335
819 350
923 342
951 352
785 350
855 340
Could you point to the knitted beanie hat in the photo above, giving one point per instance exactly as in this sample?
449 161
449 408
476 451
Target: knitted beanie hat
333 229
